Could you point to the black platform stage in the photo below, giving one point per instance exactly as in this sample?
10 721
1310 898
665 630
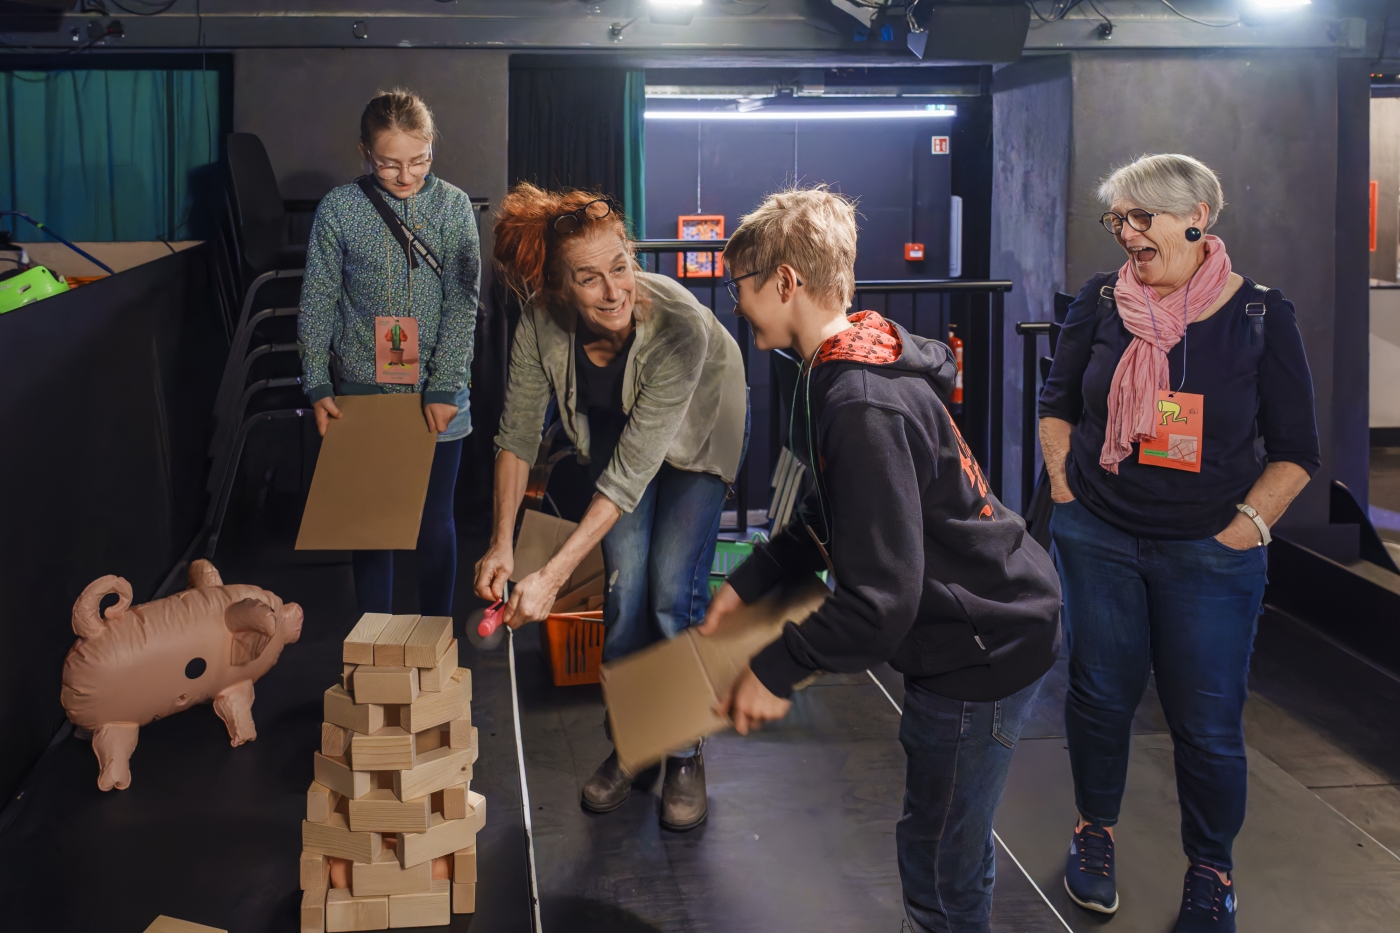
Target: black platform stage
801 827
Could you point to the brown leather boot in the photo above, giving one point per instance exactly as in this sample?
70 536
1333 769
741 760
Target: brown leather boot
608 788
683 802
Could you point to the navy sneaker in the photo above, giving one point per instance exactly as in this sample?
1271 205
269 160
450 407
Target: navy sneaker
1089 877
1207 905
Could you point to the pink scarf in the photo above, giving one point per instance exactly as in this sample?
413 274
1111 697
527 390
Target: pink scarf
1143 369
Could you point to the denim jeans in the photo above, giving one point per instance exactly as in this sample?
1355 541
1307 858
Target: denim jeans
959 753
657 560
1187 610
437 547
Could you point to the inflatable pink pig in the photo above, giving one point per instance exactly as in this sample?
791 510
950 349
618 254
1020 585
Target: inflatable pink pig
136 664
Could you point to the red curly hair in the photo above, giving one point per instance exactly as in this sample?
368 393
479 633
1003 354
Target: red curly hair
527 250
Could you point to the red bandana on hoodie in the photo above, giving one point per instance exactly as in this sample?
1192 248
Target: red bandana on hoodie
870 339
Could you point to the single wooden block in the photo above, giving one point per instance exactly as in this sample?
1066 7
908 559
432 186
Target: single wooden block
429 740
346 913
334 837
435 770
341 709
461 734
359 644
434 678
443 837
164 924
430 638
434 709
432 908
385 684
320 801
334 739
345 671
389 646
464 897
335 774
454 802
389 749
313 911
464 865
380 811
314 871
386 876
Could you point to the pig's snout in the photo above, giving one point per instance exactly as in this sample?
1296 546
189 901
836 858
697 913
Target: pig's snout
292 617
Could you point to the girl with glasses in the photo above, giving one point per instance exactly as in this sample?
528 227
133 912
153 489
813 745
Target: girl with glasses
393 272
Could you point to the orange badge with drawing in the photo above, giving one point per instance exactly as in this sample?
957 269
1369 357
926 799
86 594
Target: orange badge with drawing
396 351
1180 418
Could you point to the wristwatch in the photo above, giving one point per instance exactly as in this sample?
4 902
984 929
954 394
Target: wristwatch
1248 510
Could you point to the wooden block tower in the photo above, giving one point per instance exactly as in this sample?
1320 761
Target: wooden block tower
389 838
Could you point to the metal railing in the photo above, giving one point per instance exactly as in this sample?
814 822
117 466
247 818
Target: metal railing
975 307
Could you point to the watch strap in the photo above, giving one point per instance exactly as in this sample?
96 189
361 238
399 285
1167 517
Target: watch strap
1249 512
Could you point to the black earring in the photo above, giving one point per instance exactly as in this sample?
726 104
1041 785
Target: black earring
1193 233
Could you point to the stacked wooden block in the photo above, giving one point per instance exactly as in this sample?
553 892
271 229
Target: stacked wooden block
389 838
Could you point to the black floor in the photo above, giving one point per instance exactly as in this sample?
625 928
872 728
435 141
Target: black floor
802 815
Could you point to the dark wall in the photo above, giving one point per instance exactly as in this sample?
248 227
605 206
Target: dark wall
104 417
728 168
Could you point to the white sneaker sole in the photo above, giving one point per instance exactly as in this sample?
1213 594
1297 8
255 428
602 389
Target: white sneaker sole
1093 905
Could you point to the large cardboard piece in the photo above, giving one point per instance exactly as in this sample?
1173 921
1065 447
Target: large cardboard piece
541 537
371 478
662 698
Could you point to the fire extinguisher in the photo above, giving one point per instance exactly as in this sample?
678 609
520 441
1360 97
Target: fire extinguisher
955 401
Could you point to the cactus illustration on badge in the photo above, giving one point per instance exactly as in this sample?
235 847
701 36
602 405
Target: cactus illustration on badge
395 337
132 665
1171 411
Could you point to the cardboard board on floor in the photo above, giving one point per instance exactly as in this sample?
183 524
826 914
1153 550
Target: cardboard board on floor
541 536
662 698
371 478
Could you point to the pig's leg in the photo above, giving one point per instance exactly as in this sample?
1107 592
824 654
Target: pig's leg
234 705
113 744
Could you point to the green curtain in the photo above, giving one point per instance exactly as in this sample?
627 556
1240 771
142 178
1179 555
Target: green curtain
634 159
107 154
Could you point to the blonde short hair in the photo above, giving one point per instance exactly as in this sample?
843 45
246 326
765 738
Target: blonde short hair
1167 183
811 229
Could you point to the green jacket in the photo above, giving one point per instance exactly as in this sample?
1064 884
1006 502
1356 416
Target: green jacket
683 390
356 270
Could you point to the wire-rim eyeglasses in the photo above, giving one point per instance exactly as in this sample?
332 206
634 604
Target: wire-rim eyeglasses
570 222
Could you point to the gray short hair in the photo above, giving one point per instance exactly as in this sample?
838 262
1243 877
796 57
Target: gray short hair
1168 183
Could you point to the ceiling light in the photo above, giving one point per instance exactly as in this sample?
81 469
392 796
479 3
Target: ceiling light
806 113
672 12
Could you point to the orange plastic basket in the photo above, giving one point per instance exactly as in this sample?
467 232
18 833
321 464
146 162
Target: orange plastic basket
575 645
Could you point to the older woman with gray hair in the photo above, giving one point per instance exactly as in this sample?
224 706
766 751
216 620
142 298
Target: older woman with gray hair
1167 374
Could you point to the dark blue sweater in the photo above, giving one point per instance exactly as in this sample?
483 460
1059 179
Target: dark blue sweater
1248 397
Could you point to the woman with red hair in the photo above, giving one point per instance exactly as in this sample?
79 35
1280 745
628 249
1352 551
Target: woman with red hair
651 392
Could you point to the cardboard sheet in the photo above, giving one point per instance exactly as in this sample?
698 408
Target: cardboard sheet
372 477
541 536
662 698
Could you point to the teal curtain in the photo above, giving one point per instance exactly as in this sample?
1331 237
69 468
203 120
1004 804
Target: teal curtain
108 154
634 161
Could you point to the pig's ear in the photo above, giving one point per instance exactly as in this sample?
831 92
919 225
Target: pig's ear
88 619
202 574
253 624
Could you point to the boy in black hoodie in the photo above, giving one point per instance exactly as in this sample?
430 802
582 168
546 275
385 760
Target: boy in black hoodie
933 573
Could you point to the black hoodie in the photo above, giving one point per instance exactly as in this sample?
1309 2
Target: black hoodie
933 573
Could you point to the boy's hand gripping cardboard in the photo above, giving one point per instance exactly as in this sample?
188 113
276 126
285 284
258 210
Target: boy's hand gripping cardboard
662 698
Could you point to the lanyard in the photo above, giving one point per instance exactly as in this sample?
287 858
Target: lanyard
1186 329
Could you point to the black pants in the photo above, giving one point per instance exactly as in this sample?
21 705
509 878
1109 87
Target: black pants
437 547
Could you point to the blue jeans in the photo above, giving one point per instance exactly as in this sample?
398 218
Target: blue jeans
437 547
1188 611
959 752
657 560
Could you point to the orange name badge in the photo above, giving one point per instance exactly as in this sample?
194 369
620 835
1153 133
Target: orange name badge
396 351
1180 416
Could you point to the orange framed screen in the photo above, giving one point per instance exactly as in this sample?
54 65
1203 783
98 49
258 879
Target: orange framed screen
699 227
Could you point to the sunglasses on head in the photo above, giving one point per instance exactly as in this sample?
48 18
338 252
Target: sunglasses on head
596 209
